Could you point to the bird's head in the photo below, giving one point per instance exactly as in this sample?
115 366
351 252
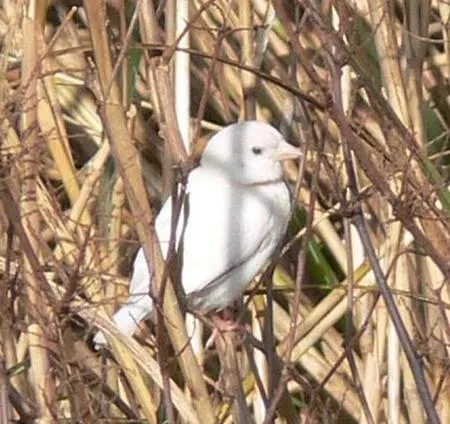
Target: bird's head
248 152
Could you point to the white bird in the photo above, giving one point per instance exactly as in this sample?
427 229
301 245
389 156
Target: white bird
238 210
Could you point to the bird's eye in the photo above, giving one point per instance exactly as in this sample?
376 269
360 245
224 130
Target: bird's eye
257 150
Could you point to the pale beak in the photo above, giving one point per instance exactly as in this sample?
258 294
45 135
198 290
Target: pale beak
287 151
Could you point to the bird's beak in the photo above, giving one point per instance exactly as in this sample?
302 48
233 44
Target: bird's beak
287 151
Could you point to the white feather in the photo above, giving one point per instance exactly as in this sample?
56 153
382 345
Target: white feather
237 209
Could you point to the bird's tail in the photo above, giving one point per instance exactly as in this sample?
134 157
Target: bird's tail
128 317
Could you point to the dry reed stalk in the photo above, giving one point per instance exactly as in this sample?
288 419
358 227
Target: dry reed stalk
131 175
39 313
264 368
232 384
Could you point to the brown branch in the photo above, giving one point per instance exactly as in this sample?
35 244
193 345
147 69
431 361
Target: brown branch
128 163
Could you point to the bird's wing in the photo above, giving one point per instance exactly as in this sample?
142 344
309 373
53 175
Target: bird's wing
226 225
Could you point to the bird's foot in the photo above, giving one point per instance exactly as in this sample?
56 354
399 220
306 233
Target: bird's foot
223 325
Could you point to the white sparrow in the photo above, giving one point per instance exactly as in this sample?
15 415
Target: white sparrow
238 210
